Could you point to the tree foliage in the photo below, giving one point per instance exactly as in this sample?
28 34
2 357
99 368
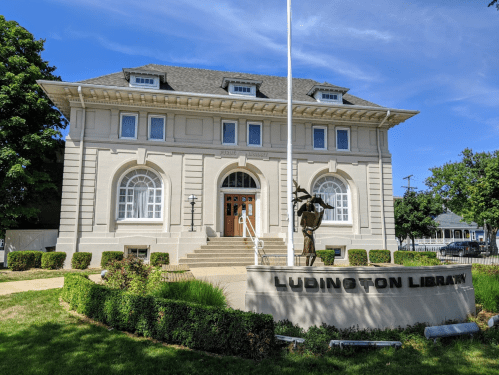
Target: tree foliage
470 188
415 213
494 2
29 125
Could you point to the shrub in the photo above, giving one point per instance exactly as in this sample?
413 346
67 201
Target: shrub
81 261
218 330
54 260
20 260
109 256
399 257
327 256
357 257
128 274
380 256
37 258
196 291
158 259
486 284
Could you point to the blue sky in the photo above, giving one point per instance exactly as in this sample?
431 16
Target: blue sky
438 57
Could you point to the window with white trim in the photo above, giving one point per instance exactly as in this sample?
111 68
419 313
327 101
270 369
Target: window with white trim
335 193
140 195
144 81
254 134
329 97
342 139
137 252
156 128
229 132
239 89
319 137
128 125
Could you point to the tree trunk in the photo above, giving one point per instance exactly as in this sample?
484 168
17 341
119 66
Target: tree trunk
413 247
493 243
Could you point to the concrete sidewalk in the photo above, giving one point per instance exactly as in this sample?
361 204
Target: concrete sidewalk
232 279
36 284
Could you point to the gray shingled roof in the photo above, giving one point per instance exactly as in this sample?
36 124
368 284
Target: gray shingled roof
206 81
451 220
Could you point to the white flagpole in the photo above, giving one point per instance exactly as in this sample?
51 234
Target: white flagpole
291 255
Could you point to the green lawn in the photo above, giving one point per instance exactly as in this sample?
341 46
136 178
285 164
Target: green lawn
37 336
38 273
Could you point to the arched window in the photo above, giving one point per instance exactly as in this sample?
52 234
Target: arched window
140 195
334 192
239 180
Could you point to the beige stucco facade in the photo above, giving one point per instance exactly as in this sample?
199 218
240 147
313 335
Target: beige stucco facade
192 160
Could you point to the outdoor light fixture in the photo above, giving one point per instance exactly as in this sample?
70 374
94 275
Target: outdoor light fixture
192 199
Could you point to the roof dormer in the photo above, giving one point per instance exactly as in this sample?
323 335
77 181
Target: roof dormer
241 86
328 93
144 78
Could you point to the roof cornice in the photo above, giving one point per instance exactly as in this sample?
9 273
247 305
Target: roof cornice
64 94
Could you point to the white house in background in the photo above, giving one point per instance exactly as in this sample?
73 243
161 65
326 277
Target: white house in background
144 139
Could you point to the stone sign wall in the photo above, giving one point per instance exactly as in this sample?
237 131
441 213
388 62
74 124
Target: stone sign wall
370 297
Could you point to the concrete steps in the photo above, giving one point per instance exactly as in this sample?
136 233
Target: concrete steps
236 251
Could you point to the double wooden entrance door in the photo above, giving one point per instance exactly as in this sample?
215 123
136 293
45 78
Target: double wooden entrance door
235 204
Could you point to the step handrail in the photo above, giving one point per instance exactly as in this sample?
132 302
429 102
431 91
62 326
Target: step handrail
258 244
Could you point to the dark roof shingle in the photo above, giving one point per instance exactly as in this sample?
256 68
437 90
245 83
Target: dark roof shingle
204 81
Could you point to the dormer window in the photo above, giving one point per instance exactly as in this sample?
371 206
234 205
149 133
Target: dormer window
147 79
328 96
327 93
242 89
241 86
144 81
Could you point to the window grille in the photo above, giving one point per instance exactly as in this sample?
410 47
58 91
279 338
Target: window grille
140 195
333 192
239 180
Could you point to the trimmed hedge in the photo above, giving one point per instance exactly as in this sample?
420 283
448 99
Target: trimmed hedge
158 259
403 255
53 260
109 256
24 260
357 257
380 256
213 329
327 256
81 261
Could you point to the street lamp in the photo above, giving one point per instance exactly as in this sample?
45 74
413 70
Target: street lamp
192 199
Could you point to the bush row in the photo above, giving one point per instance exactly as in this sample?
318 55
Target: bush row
217 330
81 261
158 259
357 257
24 260
401 256
380 256
327 256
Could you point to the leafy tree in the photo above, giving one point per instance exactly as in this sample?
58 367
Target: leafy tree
470 188
494 2
415 213
29 125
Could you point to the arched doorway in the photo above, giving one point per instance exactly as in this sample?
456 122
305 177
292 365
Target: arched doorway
239 190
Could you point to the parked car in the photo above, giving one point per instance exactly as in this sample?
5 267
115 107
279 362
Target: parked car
461 248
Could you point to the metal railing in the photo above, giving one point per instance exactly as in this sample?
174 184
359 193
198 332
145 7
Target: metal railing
258 244
456 256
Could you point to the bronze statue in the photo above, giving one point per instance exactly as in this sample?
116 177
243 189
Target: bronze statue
310 220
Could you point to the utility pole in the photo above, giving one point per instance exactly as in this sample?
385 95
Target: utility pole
408 187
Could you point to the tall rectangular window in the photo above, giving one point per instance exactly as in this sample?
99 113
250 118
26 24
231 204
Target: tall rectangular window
319 134
128 126
157 128
254 134
343 139
229 132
